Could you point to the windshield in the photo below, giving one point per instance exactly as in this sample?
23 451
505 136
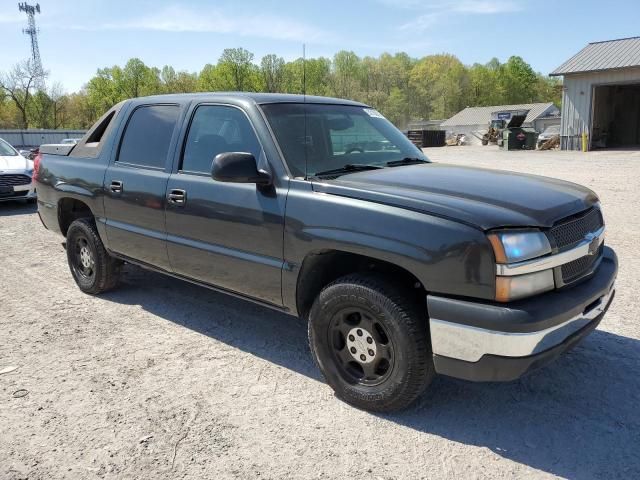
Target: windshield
552 130
7 150
331 137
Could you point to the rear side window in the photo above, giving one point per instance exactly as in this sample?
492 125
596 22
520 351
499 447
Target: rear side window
91 144
147 136
217 129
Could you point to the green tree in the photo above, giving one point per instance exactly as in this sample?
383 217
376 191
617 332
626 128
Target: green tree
439 82
401 87
397 108
519 81
272 70
345 74
313 72
18 84
236 70
177 82
208 79
484 87
549 89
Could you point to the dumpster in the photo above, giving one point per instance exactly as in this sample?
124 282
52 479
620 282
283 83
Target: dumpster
517 137
427 138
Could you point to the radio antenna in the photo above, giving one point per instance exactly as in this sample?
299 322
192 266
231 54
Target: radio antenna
304 70
304 109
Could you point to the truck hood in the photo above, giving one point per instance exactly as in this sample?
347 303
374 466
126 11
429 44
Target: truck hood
14 163
476 196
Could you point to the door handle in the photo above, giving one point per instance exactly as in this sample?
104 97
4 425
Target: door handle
177 197
116 186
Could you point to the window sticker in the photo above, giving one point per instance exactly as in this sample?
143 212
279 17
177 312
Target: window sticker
372 112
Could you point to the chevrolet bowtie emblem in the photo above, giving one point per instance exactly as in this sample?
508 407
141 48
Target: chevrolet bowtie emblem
594 245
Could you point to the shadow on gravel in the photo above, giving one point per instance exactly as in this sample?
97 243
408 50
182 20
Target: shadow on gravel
577 418
266 333
16 207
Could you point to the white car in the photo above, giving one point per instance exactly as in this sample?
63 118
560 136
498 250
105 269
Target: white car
15 175
548 134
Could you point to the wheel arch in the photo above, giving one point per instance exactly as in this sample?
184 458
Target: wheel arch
70 209
322 267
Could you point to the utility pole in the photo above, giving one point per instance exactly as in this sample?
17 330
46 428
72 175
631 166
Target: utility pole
32 31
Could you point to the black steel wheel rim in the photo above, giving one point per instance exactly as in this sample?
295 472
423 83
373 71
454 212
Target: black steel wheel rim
362 347
83 259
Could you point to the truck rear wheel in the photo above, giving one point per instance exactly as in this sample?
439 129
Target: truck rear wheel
93 269
370 340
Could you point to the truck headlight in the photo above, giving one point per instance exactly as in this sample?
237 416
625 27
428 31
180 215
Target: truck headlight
517 246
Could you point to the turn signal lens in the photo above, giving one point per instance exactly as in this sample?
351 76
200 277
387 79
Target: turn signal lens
520 286
498 249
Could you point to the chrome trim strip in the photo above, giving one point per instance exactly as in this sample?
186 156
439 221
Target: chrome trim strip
468 343
552 261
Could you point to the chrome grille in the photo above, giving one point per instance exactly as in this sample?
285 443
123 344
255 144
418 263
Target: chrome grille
12 180
573 230
580 267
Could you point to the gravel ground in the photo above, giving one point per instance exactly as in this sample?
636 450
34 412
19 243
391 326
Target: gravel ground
162 379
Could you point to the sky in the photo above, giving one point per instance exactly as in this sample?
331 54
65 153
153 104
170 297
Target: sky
78 37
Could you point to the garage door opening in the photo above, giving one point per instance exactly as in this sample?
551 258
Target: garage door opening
616 116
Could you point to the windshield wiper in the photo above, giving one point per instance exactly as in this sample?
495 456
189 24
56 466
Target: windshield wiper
406 161
349 167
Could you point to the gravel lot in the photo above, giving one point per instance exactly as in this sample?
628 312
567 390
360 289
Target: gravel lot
162 379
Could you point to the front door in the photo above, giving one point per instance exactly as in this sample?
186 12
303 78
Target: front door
136 182
225 234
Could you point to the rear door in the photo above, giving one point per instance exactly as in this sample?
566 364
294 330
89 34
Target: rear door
136 182
225 234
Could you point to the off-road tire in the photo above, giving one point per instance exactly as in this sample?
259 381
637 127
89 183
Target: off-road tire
106 269
405 320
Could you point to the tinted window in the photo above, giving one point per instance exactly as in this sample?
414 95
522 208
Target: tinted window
148 135
359 136
217 129
316 137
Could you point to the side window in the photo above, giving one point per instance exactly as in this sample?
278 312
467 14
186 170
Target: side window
217 129
358 136
90 145
147 135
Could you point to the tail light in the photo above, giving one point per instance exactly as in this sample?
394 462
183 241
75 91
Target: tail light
36 167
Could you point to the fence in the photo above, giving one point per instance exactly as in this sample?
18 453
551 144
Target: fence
35 138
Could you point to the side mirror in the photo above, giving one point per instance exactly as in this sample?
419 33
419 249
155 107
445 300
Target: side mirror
238 167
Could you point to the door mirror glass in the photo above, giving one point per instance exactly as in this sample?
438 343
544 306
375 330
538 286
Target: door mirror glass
238 167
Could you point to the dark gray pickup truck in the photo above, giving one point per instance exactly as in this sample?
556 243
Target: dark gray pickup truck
321 208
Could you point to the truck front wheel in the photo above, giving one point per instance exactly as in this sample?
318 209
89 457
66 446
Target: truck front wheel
93 269
370 340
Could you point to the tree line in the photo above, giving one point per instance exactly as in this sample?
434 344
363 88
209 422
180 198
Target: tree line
399 86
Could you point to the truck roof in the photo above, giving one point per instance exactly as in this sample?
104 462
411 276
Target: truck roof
259 98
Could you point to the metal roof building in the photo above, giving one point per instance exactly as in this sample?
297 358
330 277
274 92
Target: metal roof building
601 95
476 119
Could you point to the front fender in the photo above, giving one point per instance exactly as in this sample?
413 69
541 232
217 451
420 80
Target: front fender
447 257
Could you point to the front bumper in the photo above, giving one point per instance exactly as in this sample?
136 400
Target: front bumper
19 192
498 342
